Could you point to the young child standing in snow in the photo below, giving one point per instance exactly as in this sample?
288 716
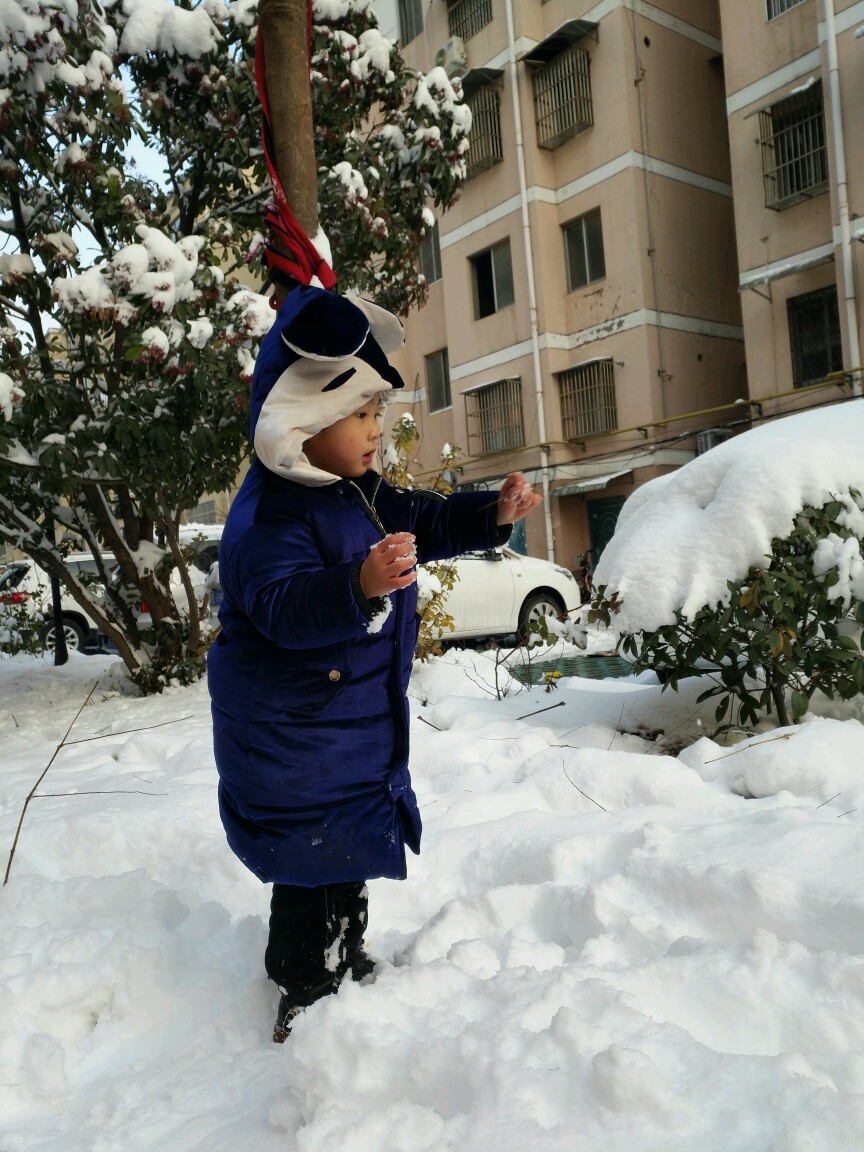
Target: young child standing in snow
308 676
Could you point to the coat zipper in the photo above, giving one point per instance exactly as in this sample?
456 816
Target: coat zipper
371 507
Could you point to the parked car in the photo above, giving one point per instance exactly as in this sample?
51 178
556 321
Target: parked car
500 592
25 588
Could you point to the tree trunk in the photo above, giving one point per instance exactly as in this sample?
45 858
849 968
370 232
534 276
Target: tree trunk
778 695
283 27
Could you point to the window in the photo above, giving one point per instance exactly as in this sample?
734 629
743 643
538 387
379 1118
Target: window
203 513
562 97
794 155
495 417
814 333
588 399
438 380
778 7
410 20
430 255
485 137
492 272
583 250
466 17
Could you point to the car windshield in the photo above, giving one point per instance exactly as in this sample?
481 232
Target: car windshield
86 569
13 576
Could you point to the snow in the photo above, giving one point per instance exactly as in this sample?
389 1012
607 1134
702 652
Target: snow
157 26
603 945
16 266
352 181
10 393
709 521
157 269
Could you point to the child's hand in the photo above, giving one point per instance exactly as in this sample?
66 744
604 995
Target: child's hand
384 569
516 499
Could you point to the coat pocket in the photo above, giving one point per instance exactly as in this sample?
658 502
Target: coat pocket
299 684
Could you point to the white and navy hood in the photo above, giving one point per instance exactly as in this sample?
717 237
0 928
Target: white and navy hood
324 357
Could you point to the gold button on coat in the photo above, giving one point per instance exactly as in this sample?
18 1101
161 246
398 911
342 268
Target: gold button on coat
334 674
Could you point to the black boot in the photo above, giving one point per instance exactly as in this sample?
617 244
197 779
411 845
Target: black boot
316 940
293 1001
358 966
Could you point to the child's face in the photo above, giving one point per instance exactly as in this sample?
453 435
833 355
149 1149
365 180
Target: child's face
347 447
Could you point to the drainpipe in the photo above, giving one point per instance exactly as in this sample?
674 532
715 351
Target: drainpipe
647 170
532 290
842 197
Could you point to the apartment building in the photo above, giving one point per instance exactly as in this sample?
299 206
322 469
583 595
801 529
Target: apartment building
584 315
795 94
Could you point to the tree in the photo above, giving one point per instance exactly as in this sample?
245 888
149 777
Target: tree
126 344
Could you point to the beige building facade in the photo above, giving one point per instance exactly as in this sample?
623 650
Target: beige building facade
584 318
795 95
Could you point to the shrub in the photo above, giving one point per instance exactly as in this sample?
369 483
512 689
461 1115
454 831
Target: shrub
436 579
792 627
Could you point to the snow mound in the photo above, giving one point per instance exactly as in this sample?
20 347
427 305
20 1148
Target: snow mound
680 537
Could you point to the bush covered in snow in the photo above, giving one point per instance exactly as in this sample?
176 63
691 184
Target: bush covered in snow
791 627
746 565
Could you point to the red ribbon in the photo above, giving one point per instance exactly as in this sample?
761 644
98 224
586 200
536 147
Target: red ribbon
305 260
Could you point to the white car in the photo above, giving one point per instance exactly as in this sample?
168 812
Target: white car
500 592
25 590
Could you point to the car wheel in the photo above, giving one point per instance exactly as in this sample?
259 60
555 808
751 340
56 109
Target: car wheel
75 635
536 606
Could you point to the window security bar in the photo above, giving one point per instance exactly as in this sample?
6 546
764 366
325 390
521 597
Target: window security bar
794 151
778 7
494 414
562 97
466 17
588 399
485 147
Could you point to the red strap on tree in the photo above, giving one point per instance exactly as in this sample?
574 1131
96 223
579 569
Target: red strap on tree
305 260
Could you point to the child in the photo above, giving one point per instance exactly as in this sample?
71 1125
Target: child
309 672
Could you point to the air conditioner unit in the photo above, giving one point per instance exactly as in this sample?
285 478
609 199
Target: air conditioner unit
453 57
709 438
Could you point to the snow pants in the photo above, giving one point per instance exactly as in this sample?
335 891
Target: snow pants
314 934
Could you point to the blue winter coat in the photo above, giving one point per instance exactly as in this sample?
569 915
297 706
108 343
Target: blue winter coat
310 715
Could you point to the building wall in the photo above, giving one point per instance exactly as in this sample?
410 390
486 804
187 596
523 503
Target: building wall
667 312
766 61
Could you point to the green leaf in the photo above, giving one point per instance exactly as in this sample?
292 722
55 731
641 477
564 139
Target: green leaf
800 703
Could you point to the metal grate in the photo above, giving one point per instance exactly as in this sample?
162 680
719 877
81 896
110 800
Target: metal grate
466 17
485 136
588 399
589 667
794 153
203 513
814 333
778 7
562 97
495 417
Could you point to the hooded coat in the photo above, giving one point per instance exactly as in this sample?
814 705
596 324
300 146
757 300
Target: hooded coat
307 677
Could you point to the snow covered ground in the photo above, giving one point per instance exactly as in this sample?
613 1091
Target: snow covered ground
604 946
